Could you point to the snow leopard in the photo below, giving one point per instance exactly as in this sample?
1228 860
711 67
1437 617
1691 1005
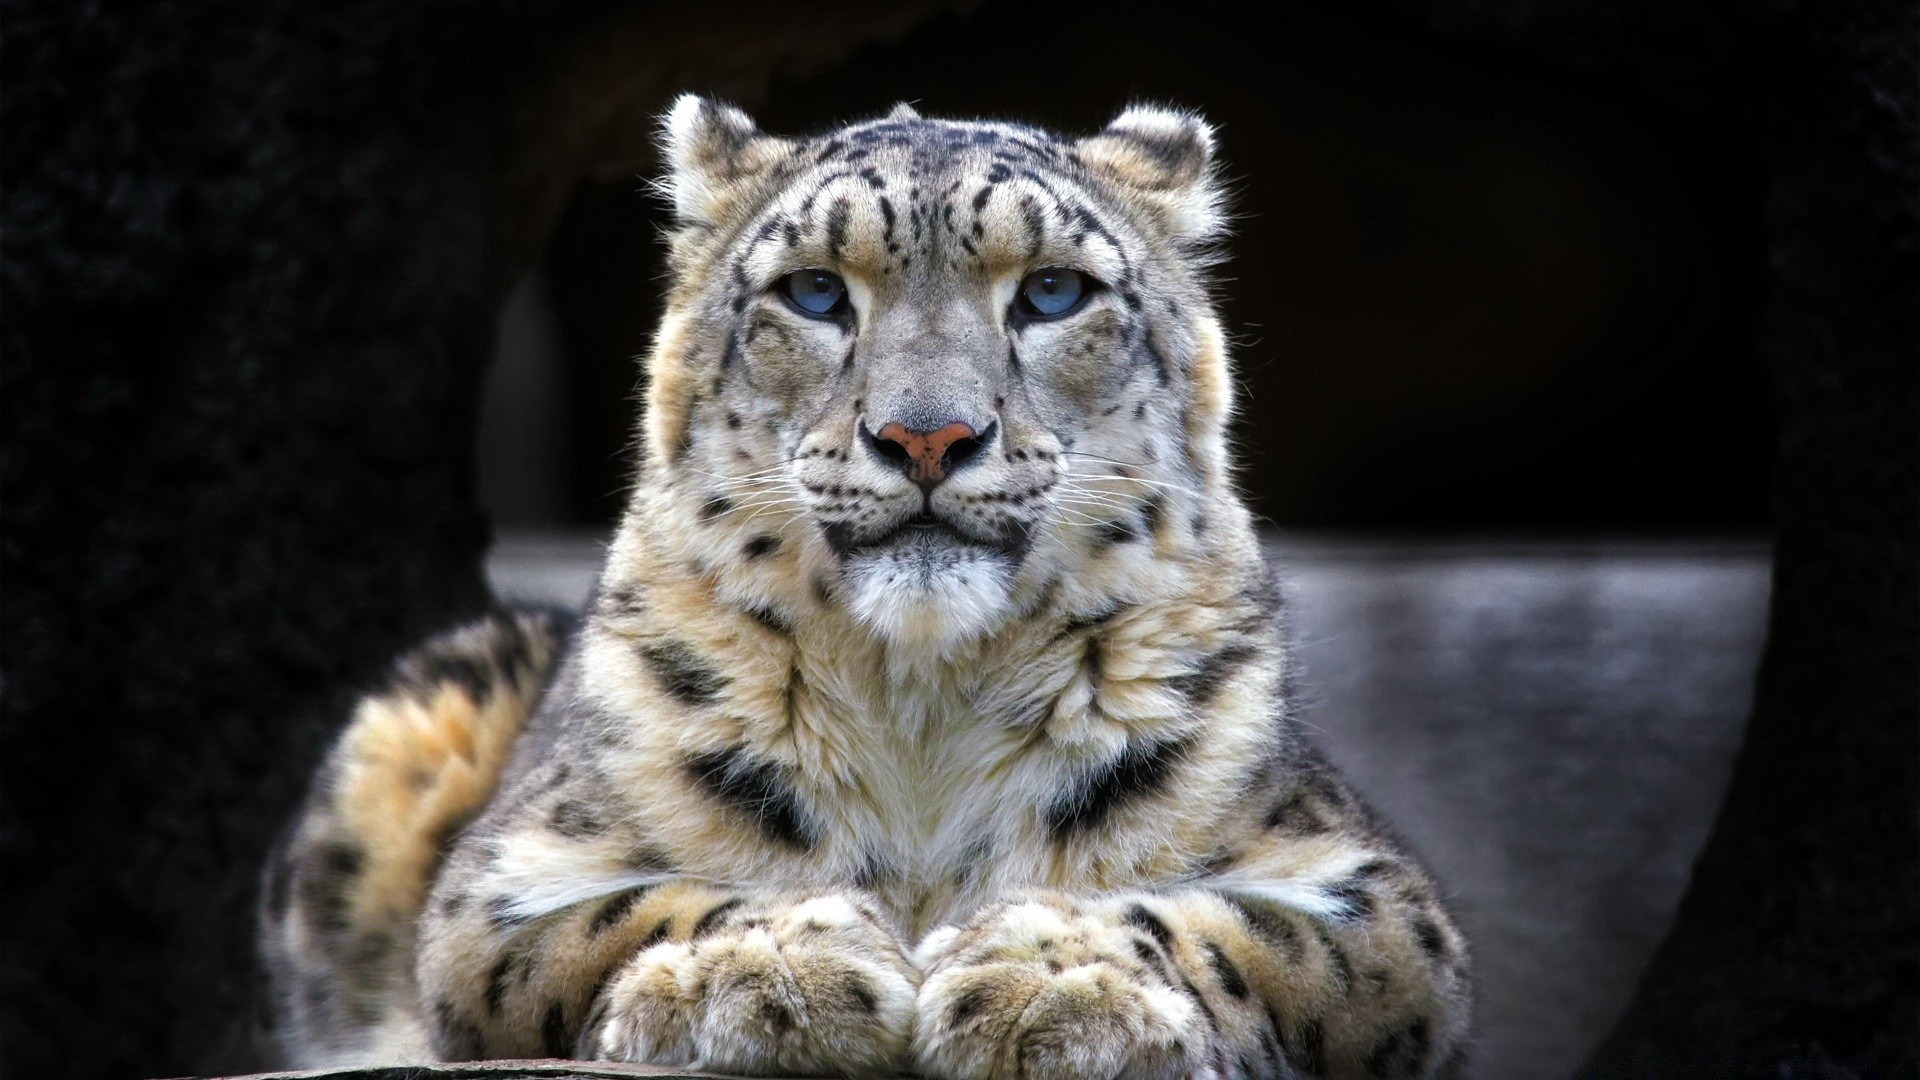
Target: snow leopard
932 712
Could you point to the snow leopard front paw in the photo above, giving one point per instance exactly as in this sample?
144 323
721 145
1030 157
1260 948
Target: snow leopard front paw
817 988
1036 989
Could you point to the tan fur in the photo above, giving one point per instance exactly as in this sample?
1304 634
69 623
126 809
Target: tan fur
1010 791
417 762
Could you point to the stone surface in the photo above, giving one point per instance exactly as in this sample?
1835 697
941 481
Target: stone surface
487 1070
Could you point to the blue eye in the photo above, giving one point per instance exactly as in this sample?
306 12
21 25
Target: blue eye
1052 292
815 292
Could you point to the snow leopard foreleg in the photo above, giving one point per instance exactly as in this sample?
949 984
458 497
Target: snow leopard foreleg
738 980
1362 976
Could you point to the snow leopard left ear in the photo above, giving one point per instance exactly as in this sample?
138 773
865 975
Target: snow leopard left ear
1164 156
716 156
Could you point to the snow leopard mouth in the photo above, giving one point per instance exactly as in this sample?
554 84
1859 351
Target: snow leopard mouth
924 533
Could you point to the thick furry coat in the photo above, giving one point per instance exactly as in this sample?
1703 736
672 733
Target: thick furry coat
878 750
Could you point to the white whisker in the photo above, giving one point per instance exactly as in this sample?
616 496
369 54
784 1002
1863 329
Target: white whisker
1075 517
1100 504
1102 498
1141 480
1111 461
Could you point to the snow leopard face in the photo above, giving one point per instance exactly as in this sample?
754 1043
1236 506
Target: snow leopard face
954 350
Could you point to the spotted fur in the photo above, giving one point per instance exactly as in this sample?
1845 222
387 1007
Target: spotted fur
848 774
345 887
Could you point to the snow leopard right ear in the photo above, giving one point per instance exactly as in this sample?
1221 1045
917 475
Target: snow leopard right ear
716 156
1164 159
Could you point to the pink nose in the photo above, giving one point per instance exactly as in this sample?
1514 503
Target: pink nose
927 456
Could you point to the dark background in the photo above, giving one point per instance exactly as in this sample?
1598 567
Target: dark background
1580 268
1472 290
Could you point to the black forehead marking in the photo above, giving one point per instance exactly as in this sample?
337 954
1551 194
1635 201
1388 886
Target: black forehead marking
820 187
837 227
1059 204
946 136
1042 150
1090 224
960 155
880 131
1072 211
1036 220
